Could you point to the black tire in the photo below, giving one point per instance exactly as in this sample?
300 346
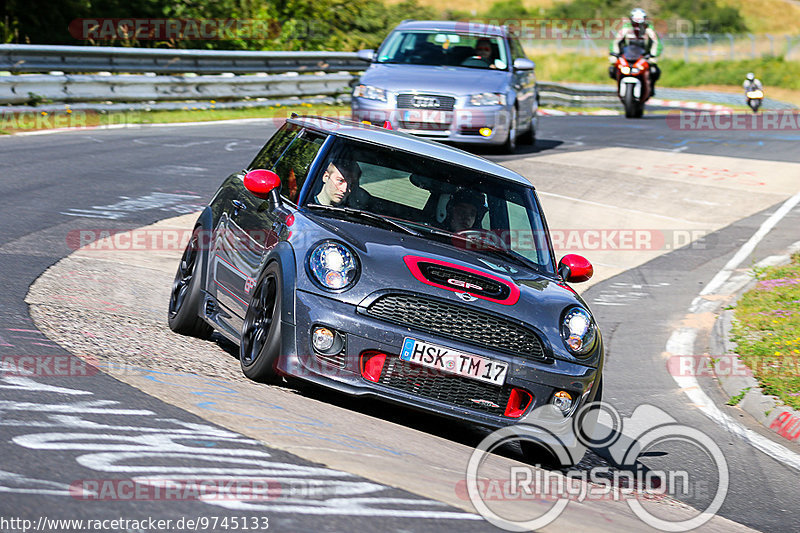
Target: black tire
260 345
629 102
639 110
510 146
541 454
529 137
185 299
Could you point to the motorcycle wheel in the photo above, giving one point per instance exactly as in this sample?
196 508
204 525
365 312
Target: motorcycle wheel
629 103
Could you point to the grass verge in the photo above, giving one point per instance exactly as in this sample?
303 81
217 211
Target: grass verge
776 73
766 330
206 112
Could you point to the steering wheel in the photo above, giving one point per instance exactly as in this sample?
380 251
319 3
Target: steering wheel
480 239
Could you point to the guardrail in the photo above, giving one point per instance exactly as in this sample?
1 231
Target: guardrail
19 58
32 89
552 94
283 77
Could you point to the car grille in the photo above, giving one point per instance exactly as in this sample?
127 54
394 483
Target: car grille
425 101
458 322
455 390
335 360
424 126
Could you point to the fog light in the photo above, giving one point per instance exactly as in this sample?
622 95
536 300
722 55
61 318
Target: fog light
563 400
486 132
322 339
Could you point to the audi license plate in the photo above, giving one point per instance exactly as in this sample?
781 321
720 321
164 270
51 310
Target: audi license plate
453 361
426 116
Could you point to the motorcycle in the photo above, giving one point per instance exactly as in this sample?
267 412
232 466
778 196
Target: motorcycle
633 79
754 98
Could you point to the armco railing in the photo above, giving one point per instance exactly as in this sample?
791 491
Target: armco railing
17 58
48 88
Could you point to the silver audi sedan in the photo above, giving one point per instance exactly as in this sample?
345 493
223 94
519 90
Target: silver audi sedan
450 81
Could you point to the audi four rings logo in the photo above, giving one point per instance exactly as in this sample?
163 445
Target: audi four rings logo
464 284
425 101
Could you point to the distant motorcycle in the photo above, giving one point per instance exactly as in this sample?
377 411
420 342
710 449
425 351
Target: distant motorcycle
754 99
633 79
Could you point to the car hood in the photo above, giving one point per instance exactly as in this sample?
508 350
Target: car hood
382 253
444 80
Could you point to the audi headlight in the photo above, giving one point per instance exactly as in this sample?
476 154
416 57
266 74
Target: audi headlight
487 99
625 70
578 331
370 92
333 265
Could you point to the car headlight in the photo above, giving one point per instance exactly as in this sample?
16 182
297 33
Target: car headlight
625 70
578 331
487 99
370 92
333 265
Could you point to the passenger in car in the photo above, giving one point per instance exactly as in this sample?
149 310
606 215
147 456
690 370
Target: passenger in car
464 210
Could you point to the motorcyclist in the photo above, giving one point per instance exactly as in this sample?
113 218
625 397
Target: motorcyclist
751 83
636 28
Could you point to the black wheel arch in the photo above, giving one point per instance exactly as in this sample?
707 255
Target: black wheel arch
283 255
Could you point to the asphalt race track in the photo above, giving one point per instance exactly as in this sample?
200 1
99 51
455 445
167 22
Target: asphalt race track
364 469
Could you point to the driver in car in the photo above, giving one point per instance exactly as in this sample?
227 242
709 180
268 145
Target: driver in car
463 209
339 180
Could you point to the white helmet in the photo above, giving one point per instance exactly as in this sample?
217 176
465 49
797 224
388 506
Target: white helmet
638 18
750 76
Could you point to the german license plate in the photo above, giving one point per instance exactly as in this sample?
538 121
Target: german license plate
454 362
425 116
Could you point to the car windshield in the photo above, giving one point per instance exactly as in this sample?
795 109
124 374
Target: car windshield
444 49
433 199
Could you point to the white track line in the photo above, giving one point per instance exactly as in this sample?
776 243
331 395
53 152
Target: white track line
599 204
748 247
681 342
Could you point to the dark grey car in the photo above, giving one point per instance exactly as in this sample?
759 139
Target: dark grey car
450 81
431 284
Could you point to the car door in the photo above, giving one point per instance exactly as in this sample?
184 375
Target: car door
252 224
524 83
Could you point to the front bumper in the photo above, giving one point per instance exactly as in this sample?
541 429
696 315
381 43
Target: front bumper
461 125
364 333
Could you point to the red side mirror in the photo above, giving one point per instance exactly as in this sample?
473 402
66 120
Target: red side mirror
261 182
575 268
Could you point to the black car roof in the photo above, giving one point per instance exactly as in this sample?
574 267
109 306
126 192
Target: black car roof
407 143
